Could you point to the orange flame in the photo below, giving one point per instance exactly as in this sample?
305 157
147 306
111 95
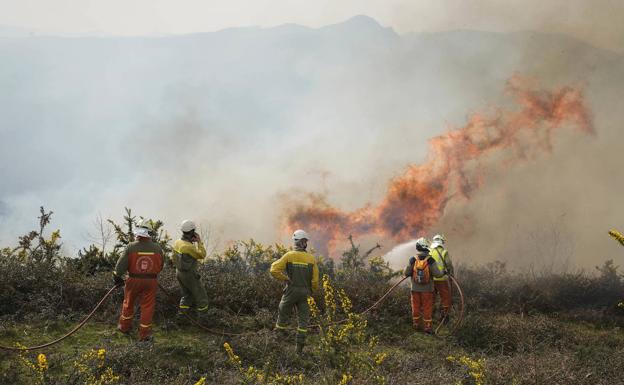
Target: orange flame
416 199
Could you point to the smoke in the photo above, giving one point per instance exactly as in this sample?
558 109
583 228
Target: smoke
455 166
253 132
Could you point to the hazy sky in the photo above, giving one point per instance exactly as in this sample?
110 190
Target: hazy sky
596 21
241 124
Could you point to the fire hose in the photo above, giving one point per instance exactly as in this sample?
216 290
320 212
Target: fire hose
460 310
223 333
452 329
74 330
193 320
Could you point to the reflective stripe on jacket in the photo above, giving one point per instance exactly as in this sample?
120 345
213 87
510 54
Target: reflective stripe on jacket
140 258
442 260
186 254
299 268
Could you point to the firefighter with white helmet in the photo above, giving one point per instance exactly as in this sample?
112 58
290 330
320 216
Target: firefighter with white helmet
142 261
422 270
442 287
145 225
187 252
299 270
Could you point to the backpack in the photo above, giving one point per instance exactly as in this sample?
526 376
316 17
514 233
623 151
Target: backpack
421 274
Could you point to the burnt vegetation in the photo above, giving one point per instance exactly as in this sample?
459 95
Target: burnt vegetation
519 327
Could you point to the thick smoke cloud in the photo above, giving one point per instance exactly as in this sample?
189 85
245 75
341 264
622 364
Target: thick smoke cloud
230 128
455 166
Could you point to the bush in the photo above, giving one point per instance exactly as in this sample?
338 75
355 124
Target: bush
563 326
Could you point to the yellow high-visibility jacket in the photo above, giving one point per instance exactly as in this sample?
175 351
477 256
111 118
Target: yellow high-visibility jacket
186 254
299 268
443 262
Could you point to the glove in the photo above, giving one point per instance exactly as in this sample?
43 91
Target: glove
412 260
118 280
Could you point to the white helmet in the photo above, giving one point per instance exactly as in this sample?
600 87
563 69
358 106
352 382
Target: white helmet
439 237
187 226
422 244
299 235
145 224
438 240
141 232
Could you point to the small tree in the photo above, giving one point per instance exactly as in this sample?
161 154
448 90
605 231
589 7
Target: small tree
352 260
34 247
125 233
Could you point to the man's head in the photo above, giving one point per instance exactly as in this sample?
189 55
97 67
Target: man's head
188 230
300 238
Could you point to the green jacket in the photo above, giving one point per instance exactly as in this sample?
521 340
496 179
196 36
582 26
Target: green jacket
140 257
297 267
186 254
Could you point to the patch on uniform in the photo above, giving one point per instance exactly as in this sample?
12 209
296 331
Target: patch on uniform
144 264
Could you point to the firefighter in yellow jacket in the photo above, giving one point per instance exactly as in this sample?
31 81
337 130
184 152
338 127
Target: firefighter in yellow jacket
187 251
445 265
299 270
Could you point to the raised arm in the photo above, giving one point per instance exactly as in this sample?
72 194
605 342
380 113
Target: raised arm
198 252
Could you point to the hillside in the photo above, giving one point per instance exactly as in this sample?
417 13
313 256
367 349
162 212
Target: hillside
534 328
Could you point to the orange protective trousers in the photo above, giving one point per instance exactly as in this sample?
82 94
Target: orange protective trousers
143 290
444 290
424 300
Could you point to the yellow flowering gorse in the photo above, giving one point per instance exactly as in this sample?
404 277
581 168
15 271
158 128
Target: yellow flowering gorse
255 376
90 368
344 343
346 378
476 368
36 369
42 361
617 236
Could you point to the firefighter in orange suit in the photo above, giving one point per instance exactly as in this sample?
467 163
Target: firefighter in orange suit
422 269
142 260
